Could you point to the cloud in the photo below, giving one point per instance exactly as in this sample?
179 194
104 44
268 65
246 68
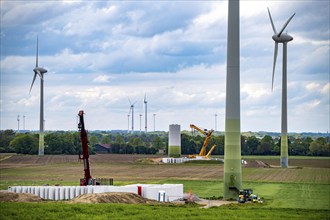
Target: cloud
102 79
99 53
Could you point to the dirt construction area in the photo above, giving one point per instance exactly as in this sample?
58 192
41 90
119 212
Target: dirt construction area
114 197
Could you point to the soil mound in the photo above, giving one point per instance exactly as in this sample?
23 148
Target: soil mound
113 197
257 164
149 161
18 197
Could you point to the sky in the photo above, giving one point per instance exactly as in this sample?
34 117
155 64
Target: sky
101 54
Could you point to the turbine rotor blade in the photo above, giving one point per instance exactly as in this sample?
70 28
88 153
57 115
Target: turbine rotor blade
34 78
271 21
37 53
274 64
284 26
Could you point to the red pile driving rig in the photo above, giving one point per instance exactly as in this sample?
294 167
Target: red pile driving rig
88 180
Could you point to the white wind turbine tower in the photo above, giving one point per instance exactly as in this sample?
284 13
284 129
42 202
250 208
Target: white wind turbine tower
18 123
132 110
128 120
40 71
280 37
140 121
146 112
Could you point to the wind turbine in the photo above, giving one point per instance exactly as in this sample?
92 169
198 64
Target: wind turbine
128 120
18 123
132 110
232 157
40 71
146 112
284 38
140 121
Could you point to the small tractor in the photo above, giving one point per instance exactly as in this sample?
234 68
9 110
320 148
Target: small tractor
246 195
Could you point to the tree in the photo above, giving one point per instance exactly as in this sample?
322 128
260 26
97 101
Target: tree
244 146
299 147
115 148
220 142
158 143
5 138
119 139
132 141
66 143
25 144
252 144
137 141
106 140
266 145
319 147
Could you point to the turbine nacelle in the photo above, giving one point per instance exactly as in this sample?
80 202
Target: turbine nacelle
283 38
39 70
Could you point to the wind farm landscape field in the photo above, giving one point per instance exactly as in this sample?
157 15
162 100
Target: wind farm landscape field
103 129
287 193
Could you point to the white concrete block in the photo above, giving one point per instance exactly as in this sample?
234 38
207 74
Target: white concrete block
51 193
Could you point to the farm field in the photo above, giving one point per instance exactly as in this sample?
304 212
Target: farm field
291 193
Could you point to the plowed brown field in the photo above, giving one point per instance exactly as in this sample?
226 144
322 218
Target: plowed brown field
120 167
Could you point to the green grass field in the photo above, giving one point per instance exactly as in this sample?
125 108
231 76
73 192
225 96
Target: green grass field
300 193
60 210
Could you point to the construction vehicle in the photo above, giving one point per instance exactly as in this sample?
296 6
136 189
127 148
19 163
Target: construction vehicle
208 134
87 180
208 155
246 195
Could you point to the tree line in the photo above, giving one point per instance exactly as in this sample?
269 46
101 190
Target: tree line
61 142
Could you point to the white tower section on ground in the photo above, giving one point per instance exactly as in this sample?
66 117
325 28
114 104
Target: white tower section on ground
174 141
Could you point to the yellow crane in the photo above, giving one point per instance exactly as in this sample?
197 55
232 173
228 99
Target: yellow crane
208 134
210 151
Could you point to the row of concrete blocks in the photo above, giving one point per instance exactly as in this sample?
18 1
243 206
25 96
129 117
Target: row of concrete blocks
169 192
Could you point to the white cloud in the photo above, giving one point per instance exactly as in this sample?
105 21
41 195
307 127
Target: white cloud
100 53
326 89
102 79
312 86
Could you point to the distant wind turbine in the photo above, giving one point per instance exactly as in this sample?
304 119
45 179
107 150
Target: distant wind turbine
146 112
140 121
132 110
18 123
280 37
40 71
128 120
